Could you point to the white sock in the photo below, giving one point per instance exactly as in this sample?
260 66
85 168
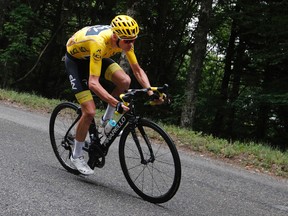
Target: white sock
109 113
78 149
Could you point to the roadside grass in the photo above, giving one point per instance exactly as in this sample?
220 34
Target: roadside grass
253 156
28 100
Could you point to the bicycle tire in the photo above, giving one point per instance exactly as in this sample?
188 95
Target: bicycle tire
62 117
142 177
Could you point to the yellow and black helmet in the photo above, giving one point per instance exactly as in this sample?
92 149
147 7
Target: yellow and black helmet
125 27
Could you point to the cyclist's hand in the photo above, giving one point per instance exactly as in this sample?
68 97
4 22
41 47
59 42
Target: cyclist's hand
156 100
121 108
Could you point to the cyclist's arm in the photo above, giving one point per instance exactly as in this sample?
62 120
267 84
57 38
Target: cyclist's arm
137 70
141 76
144 81
97 88
95 60
94 75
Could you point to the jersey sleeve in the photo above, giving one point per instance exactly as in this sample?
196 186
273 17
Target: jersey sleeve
95 60
131 56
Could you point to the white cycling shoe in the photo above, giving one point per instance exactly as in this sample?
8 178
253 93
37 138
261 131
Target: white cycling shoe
81 165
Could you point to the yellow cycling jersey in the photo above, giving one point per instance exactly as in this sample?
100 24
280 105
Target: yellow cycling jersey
94 42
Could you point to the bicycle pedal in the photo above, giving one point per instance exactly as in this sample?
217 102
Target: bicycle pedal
96 162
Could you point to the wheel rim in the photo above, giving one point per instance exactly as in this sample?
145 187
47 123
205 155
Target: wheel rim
152 179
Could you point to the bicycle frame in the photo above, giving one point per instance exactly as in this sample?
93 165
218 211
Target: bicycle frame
101 148
147 154
121 123
98 150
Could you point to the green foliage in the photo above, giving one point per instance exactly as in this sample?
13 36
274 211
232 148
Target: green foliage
244 77
16 32
20 46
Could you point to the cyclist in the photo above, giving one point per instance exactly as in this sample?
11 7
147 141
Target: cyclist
87 59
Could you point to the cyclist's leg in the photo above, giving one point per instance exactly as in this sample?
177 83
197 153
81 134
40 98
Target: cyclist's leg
88 112
78 71
115 74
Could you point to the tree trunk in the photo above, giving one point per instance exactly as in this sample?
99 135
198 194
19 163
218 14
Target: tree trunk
237 72
261 124
217 125
197 58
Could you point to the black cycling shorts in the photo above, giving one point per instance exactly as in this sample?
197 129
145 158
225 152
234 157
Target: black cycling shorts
78 72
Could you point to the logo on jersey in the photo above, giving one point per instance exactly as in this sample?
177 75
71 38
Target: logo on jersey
97 55
72 81
74 51
95 30
83 49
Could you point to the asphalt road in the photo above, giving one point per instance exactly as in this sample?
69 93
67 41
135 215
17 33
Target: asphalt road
32 182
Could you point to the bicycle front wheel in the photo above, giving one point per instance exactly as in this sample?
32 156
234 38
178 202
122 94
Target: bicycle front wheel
62 129
150 161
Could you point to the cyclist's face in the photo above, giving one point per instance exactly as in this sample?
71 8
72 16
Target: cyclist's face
126 44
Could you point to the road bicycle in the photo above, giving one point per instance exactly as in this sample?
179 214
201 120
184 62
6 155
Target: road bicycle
148 156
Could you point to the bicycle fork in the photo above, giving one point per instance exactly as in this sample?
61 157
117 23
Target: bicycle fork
147 141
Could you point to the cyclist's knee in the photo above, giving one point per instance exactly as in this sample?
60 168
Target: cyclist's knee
89 114
121 79
125 83
88 110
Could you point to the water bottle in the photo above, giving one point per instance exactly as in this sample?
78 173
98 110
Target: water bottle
110 124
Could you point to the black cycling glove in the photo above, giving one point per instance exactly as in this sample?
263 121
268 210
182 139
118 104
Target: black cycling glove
119 107
153 97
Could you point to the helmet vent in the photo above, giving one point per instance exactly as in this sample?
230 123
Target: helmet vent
125 27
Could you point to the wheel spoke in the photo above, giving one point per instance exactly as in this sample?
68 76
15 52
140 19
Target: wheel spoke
156 177
62 123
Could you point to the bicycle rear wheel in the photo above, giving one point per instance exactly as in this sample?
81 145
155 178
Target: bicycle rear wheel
62 129
157 177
